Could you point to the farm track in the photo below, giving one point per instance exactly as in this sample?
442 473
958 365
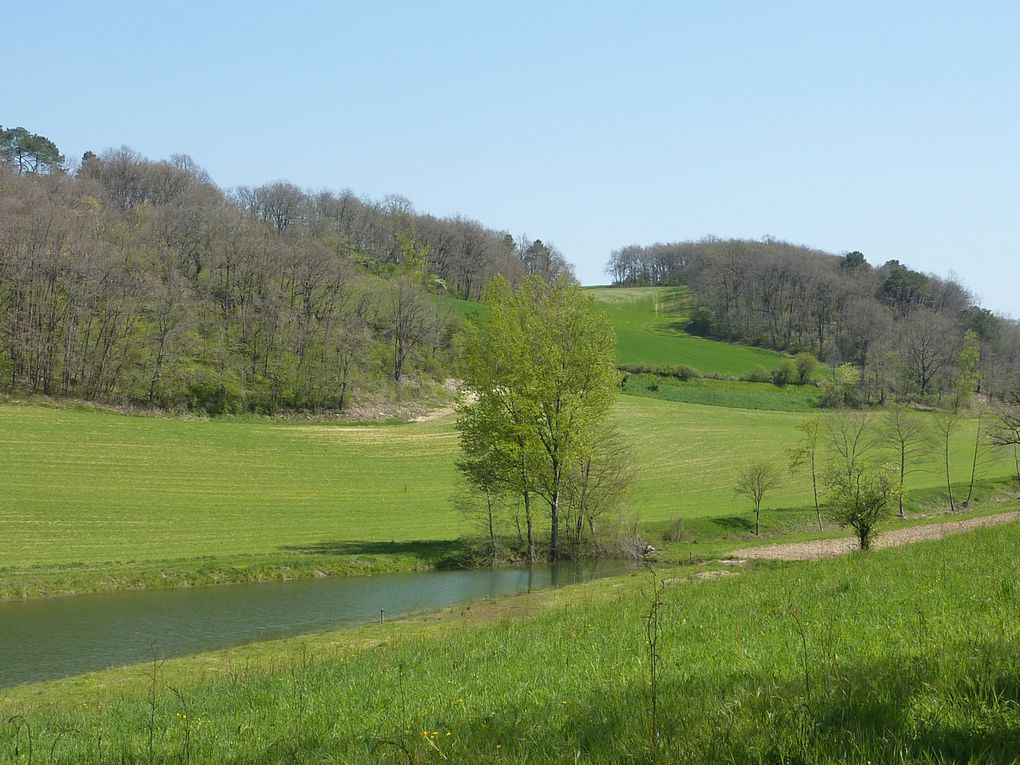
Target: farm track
828 548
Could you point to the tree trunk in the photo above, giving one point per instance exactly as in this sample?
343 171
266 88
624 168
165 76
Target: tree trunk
903 474
949 482
814 488
528 522
974 462
1016 463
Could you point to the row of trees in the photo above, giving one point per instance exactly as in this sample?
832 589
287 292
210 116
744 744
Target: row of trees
862 462
900 329
141 281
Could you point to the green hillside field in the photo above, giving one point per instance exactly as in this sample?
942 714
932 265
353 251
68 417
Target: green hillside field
649 323
87 490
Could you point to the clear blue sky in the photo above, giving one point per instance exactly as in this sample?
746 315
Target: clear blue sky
890 128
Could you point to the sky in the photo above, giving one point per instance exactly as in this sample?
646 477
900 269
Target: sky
885 127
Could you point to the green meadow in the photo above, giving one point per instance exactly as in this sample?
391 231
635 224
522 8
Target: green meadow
94 500
650 321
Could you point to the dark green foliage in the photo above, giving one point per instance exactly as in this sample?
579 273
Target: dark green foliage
29 152
902 288
702 321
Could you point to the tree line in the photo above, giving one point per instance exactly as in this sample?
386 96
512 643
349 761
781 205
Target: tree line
901 330
130 280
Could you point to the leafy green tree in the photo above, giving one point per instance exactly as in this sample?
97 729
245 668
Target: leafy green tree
542 368
805 364
967 377
861 496
29 152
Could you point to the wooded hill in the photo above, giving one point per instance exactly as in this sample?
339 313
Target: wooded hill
903 330
130 280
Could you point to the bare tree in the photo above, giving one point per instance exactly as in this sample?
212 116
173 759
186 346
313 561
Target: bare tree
807 452
904 432
596 485
928 347
753 482
850 438
1007 430
412 320
981 443
946 425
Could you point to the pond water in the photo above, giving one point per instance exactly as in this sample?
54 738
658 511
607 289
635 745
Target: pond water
46 639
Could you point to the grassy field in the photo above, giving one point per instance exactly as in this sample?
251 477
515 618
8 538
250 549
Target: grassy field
898 656
649 323
132 501
732 393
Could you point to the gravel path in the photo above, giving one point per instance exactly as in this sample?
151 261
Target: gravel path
827 548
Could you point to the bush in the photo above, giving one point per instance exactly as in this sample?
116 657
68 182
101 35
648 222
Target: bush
840 388
805 364
681 372
677 532
758 374
786 373
702 321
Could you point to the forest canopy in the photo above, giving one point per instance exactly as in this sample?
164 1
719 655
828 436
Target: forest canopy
140 281
903 330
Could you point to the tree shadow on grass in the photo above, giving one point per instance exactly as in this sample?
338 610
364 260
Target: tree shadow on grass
442 553
734 523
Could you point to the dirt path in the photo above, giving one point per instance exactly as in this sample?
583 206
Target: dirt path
454 386
827 548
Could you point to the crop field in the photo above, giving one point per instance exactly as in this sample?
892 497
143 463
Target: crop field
92 487
904 655
649 324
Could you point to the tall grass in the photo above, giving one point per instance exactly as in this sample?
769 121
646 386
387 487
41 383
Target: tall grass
897 656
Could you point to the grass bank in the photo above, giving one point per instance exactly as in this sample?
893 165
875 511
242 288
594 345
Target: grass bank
897 656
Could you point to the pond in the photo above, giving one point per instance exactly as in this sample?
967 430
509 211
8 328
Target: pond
47 639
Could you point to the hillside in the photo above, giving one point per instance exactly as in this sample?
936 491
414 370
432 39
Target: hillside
650 324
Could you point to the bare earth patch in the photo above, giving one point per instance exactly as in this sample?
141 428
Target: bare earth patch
828 548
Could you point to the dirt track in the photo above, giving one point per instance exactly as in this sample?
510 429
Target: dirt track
827 548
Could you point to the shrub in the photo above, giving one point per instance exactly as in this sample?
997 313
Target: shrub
758 374
805 364
840 388
702 321
677 532
786 373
